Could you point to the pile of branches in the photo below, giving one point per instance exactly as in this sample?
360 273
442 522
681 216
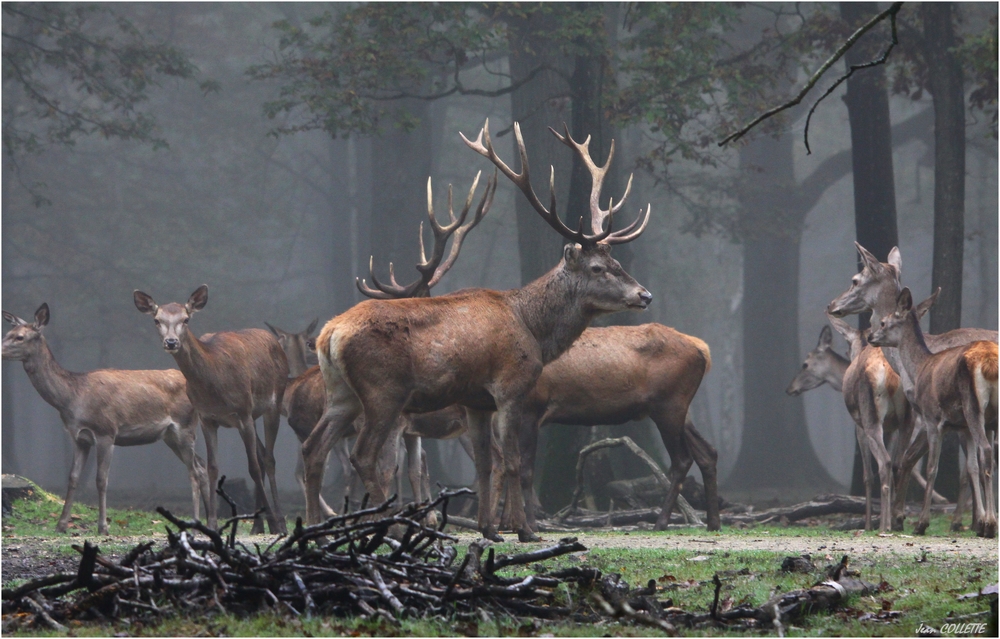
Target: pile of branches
349 565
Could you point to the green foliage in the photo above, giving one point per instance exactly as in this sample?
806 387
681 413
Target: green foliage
73 70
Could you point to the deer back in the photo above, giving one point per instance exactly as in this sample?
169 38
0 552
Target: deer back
620 373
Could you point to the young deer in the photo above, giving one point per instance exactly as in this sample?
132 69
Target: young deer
876 288
233 377
478 348
108 407
954 388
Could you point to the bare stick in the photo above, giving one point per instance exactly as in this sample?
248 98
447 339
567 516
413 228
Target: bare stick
839 53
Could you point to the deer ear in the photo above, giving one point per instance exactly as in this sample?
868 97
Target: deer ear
904 301
198 299
312 327
842 327
869 260
825 338
895 259
273 330
571 253
42 315
144 302
13 320
926 305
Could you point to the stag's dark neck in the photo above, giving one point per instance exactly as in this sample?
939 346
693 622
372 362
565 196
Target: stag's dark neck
552 310
55 384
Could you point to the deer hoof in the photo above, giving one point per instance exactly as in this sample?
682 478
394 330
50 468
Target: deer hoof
988 530
526 536
920 528
956 526
490 532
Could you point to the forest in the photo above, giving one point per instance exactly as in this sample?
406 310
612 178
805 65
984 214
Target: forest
270 150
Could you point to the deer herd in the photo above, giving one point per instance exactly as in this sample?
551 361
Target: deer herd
492 367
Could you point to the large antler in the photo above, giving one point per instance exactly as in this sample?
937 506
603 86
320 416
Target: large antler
597 173
484 146
433 269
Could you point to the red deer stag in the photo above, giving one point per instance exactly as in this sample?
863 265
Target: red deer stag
306 395
108 407
479 348
957 388
876 288
233 377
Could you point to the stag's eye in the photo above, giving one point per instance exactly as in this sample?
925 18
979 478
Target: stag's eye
596 269
20 338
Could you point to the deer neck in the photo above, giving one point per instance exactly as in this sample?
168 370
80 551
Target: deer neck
193 359
552 312
912 350
55 384
834 375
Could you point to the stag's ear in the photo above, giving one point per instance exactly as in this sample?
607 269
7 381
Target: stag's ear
42 316
842 327
13 320
825 338
571 253
273 330
904 301
895 259
926 305
312 327
869 260
198 299
144 302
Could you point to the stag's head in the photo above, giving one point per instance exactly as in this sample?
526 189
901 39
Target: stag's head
875 287
604 284
24 339
171 320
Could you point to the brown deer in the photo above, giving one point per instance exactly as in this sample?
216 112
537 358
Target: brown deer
107 408
306 396
618 374
233 377
876 288
478 348
957 388
823 365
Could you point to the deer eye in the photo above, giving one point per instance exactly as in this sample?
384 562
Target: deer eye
186 320
20 338
596 269
156 322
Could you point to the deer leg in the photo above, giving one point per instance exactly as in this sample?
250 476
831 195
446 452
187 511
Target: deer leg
481 434
529 450
210 428
382 427
414 455
933 458
510 416
251 443
906 467
877 446
333 427
979 460
181 441
866 469
342 449
272 419
105 449
672 435
81 449
707 459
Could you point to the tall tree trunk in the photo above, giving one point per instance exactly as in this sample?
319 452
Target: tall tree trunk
400 165
871 153
946 80
537 105
776 452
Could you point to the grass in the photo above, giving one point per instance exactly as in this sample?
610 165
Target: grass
922 589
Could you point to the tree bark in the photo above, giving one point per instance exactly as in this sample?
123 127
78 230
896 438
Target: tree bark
946 85
776 450
867 102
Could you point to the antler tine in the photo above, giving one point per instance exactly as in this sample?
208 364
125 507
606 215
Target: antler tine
385 291
522 180
630 232
459 235
597 174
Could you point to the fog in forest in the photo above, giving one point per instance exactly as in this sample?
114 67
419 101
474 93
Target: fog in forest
279 226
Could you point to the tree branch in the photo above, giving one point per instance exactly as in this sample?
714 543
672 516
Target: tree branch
839 53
